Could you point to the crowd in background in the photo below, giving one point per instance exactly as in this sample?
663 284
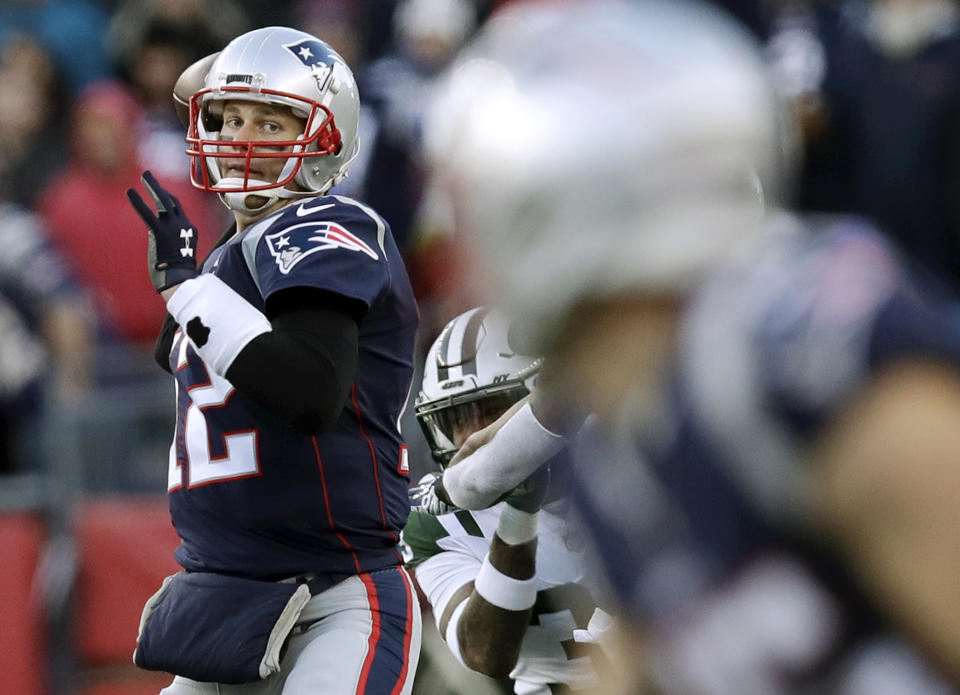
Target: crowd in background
873 86
87 106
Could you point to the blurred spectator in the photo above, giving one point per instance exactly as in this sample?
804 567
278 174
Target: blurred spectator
153 41
217 21
31 148
427 34
152 69
343 24
881 108
45 328
370 20
86 210
271 14
398 86
71 30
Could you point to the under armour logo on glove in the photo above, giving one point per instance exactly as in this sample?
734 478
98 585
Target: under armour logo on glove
171 254
197 332
187 236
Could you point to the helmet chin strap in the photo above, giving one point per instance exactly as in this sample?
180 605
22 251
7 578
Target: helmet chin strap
238 201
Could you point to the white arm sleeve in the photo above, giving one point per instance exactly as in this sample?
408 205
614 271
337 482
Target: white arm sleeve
517 449
217 320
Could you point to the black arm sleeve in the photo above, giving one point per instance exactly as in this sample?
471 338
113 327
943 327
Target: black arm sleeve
302 369
161 350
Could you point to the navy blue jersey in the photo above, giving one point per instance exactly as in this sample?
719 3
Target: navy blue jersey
699 525
249 495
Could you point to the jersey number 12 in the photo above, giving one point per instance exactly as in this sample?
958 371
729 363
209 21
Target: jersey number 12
231 456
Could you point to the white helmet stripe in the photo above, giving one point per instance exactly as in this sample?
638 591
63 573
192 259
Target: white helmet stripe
470 373
468 345
458 344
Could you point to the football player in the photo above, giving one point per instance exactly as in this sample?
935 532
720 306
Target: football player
772 482
507 584
292 348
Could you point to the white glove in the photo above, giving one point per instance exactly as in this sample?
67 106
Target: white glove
601 623
429 497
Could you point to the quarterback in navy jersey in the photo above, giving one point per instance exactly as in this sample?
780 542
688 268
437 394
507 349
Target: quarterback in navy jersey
292 348
351 475
769 471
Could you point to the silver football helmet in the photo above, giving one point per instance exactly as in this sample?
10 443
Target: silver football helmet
472 375
590 149
276 65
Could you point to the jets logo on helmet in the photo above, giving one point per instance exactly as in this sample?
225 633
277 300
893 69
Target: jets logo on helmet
472 375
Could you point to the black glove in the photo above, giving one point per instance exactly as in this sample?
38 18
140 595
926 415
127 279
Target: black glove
172 256
529 495
430 497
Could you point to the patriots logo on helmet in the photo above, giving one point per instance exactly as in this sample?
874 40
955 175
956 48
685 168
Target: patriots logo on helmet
293 244
311 53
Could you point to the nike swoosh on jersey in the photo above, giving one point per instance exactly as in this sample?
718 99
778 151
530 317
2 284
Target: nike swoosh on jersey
303 210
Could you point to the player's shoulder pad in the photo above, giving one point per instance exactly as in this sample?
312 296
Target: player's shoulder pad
823 292
421 537
330 207
321 224
794 312
837 271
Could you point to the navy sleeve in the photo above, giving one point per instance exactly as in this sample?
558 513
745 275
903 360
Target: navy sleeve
908 327
161 349
335 246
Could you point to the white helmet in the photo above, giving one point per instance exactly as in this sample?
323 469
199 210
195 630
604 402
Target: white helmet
596 148
277 65
472 375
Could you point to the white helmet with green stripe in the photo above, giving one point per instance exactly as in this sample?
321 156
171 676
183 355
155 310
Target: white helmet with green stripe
472 375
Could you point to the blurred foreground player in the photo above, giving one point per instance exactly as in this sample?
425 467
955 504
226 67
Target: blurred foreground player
507 583
772 481
292 348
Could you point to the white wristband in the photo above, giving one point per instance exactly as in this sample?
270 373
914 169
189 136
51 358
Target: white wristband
516 526
503 591
517 449
212 314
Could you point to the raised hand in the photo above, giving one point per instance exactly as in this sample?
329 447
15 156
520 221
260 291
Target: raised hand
172 253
